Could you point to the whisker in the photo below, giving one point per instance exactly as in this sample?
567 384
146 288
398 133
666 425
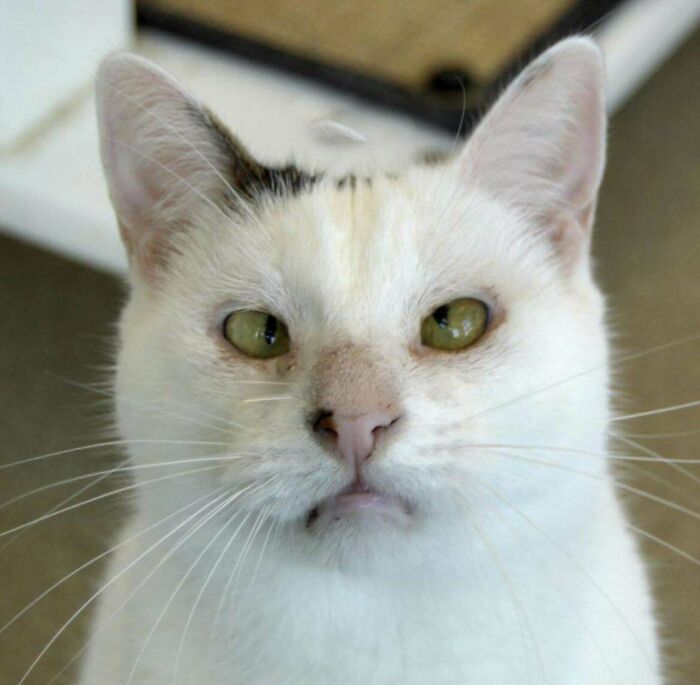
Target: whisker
653 436
221 419
575 610
110 443
250 400
266 382
244 552
142 651
60 504
572 560
111 493
211 573
645 533
124 468
585 453
95 559
672 463
104 587
656 412
266 540
601 367
666 482
664 543
511 591
96 631
628 488
110 393
221 601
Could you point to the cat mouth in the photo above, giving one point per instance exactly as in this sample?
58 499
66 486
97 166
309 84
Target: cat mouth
360 501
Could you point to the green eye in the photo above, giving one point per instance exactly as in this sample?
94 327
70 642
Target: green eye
256 334
455 326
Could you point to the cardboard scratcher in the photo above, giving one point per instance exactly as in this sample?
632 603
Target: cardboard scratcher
429 58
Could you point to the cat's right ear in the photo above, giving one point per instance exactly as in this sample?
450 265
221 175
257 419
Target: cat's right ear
165 157
541 147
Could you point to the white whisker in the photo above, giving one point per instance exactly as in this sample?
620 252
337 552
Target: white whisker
158 406
95 559
656 412
520 610
592 369
104 587
656 539
193 529
585 453
672 463
666 482
250 400
124 468
211 573
569 601
238 566
126 488
572 560
64 502
623 486
653 436
108 443
142 651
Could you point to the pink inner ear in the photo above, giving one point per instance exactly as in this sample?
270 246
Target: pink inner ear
131 180
541 147
158 154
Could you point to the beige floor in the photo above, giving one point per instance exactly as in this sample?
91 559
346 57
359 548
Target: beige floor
56 322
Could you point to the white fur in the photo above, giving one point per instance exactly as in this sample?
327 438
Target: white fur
515 571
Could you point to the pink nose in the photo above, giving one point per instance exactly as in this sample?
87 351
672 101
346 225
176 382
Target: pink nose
355 437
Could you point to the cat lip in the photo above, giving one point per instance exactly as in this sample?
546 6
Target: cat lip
361 500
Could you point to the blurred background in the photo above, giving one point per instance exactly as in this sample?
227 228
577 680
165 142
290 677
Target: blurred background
289 77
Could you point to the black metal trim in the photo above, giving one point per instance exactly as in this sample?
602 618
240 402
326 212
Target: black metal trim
422 106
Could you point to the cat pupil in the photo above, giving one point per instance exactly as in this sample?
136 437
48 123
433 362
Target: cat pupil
440 315
270 330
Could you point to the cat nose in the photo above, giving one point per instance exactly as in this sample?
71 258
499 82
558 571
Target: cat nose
354 437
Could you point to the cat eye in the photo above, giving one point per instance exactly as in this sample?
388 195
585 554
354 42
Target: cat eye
256 334
455 326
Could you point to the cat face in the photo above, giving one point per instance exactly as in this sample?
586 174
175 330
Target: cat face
357 428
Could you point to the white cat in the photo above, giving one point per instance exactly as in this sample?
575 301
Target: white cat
367 416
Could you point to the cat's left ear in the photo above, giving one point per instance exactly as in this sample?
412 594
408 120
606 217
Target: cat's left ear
541 148
166 158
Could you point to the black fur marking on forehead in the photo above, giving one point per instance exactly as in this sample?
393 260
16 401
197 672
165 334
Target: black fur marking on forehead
350 181
283 181
247 177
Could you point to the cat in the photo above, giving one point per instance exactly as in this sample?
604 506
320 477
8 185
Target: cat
359 398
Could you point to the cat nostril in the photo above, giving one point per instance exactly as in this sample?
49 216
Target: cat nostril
324 424
383 426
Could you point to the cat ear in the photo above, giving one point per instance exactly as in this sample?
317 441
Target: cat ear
541 148
165 157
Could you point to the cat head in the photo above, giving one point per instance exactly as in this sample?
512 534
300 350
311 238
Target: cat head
359 356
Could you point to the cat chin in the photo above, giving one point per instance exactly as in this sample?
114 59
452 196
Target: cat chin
372 534
363 544
373 543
